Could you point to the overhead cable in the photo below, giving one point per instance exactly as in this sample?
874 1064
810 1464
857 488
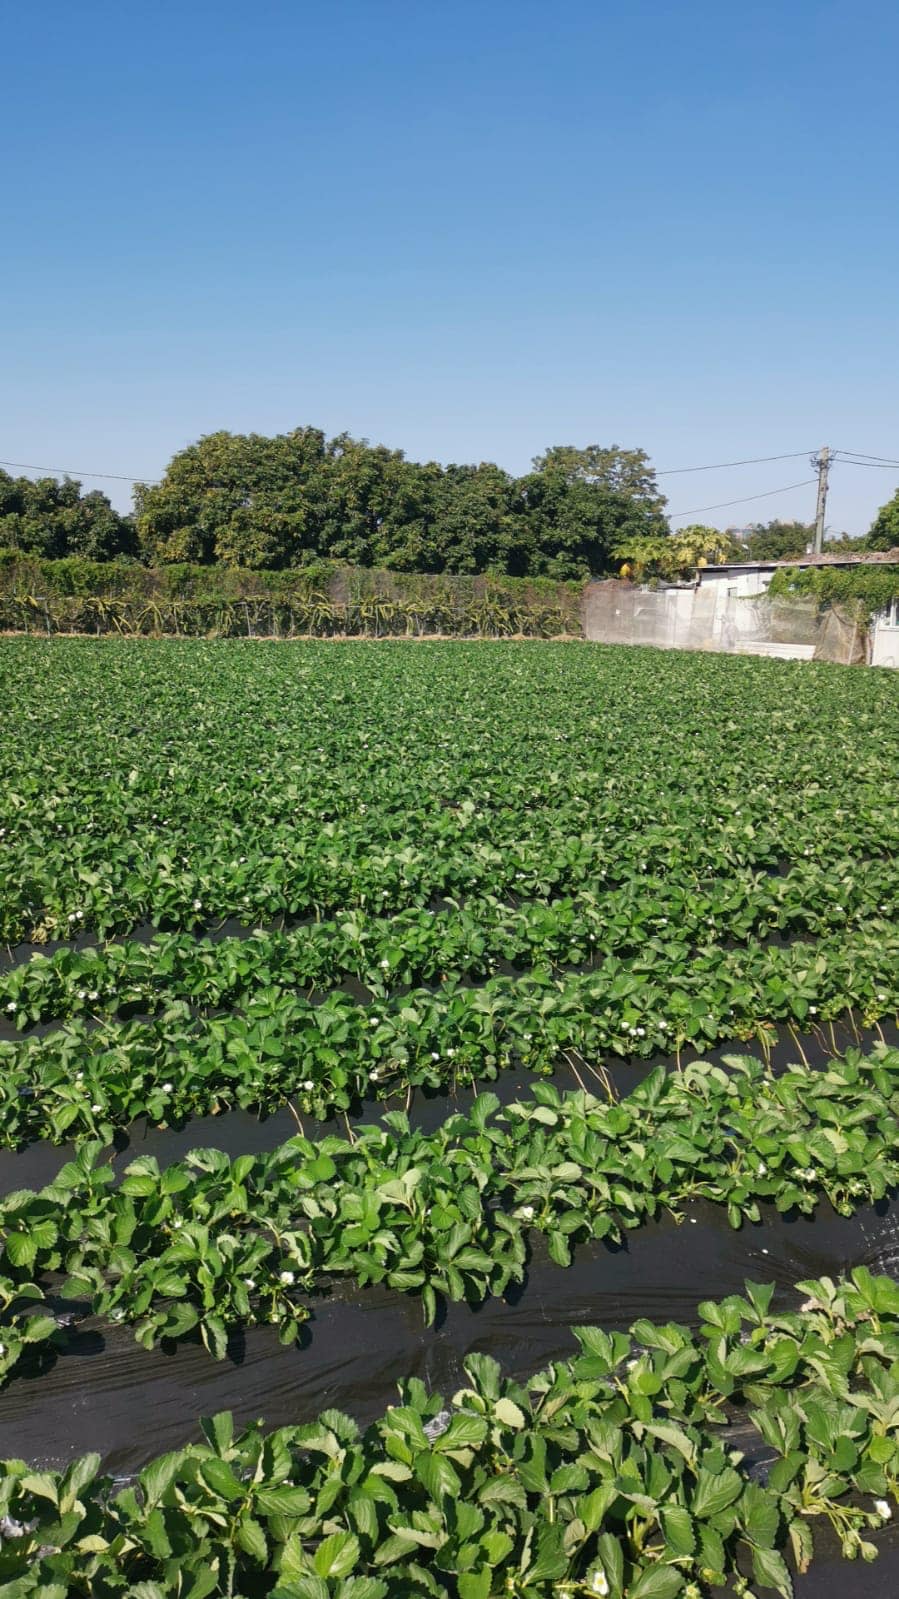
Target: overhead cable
744 500
65 471
882 465
718 466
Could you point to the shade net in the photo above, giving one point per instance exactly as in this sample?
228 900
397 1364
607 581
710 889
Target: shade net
708 618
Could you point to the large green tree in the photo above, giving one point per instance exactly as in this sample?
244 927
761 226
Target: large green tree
609 467
774 541
246 500
241 499
884 534
578 505
52 518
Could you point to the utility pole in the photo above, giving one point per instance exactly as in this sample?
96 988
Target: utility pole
822 462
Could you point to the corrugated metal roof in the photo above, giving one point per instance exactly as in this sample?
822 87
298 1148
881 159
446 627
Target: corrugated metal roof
860 558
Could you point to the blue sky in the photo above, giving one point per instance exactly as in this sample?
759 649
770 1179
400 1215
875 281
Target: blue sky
467 229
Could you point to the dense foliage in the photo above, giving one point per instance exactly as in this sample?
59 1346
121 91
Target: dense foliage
775 541
247 500
326 1055
868 589
49 518
674 556
619 1472
884 534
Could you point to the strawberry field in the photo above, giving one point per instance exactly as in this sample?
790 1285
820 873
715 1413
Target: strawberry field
406 996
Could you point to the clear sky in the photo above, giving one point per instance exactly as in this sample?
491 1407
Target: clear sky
469 229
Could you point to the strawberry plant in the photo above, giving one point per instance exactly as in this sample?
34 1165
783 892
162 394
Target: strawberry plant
318 874
211 1243
614 1473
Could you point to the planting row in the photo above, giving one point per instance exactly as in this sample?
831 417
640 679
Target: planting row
423 946
82 880
180 783
212 1243
614 1473
89 1080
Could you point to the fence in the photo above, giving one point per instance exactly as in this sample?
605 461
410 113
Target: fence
707 617
254 617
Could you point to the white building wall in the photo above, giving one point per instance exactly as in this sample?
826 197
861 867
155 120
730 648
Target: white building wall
740 585
885 637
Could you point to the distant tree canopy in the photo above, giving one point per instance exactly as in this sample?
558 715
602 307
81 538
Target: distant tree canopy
247 500
884 534
244 500
271 504
774 541
51 519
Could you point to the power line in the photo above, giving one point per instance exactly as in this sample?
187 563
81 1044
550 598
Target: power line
718 466
882 461
869 457
65 471
883 465
671 471
746 497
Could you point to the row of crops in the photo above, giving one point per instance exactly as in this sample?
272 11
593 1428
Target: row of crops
330 877
290 617
210 1243
613 1473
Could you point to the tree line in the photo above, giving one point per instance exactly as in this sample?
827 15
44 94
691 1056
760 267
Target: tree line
246 500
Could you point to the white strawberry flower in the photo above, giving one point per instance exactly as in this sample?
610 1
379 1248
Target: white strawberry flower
884 1510
288 1277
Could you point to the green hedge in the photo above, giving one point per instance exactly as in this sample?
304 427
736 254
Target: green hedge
870 588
